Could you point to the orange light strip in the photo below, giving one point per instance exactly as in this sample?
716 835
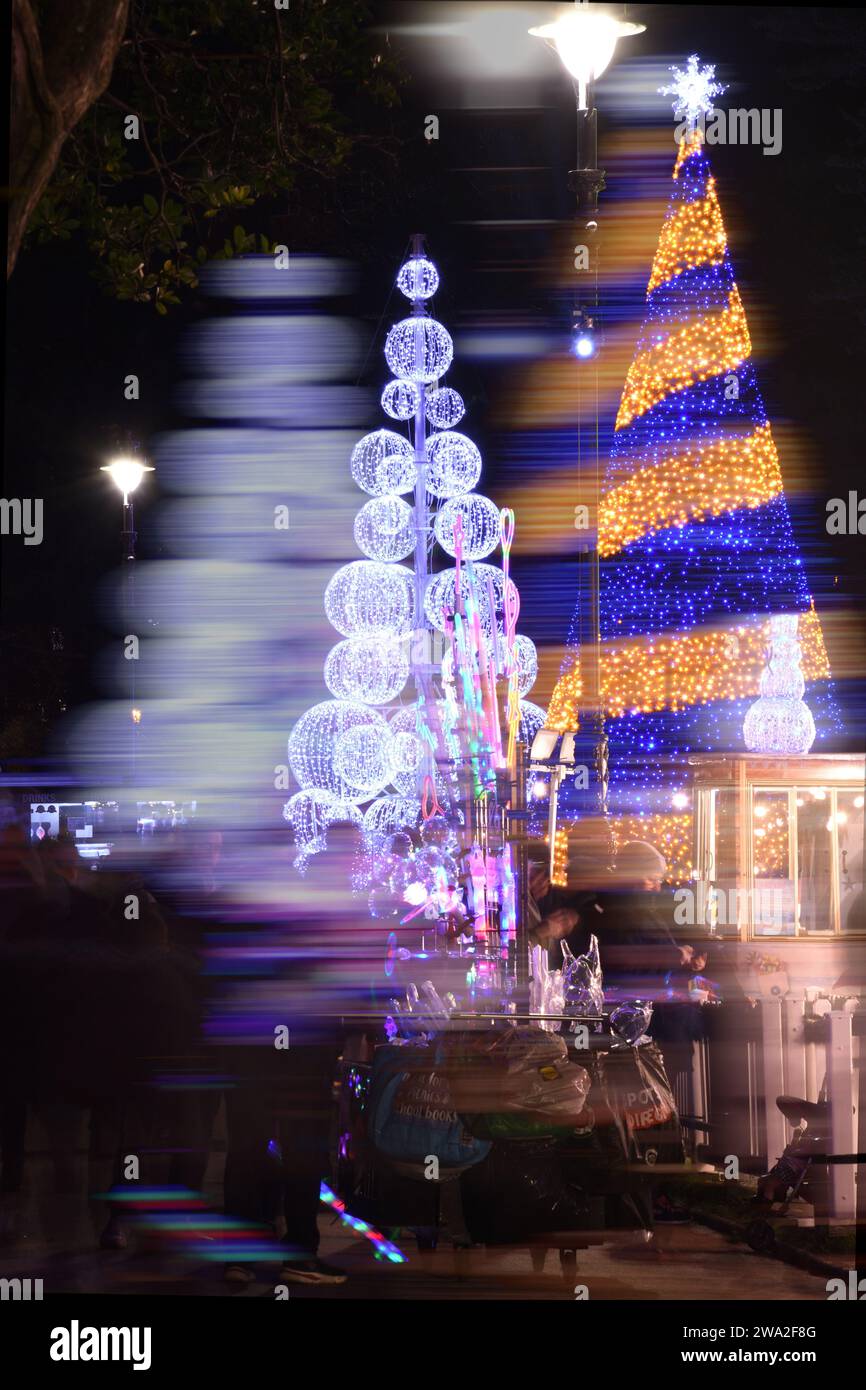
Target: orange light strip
714 343
693 235
733 472
670 672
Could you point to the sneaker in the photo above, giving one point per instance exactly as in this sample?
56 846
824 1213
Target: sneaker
314 1271
239 1274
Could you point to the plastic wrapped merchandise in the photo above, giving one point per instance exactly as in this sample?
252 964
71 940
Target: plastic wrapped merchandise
546 991
583 982
642 1097
520 1073
631 1020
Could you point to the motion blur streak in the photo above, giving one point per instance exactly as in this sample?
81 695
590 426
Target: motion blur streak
231 626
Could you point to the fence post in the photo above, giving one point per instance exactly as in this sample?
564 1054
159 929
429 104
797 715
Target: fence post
773 1076
843 1114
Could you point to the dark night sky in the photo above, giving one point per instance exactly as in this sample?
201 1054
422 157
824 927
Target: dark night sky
796 223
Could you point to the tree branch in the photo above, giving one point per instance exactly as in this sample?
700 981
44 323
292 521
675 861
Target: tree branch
58 71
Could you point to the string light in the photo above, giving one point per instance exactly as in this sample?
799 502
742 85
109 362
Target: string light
374 450
419 349
707 346
384 529
401 399
453 464
481 525
362 760
369 670
698 481
444 408
780 721
440 600
314 738
695 538
310 813
418 278
692 235
370 598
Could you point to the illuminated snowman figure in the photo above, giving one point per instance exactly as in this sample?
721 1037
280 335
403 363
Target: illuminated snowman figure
780 721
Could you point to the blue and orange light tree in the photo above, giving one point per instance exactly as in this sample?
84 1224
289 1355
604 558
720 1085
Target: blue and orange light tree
696 548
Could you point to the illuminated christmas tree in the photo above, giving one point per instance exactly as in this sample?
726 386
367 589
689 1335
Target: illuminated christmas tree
427 683
697 553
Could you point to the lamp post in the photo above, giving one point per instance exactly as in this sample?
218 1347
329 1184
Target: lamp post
126 472
585 39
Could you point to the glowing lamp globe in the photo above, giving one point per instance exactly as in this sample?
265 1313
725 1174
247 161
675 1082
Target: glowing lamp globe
418 279
383 462
400 399
585 41
126 474
370 670
384 529
583 344
369 599
314 738
453 464
481 525
444 408
419 349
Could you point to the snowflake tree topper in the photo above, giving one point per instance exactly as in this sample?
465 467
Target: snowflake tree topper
693 90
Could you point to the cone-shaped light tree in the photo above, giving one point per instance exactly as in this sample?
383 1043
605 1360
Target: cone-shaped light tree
697 553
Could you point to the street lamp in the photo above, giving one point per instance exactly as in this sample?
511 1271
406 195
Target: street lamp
126 473
585 38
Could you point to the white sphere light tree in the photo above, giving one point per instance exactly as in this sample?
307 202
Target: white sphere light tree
383 752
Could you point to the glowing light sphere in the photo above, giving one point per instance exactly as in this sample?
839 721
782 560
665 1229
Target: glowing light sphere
418 279
314 738
453 464
444 408
362 760
419 349
366 598
384 529
526 656
400 399
310 813
532 719
481 525
779 726
439 597
370 670
383 462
